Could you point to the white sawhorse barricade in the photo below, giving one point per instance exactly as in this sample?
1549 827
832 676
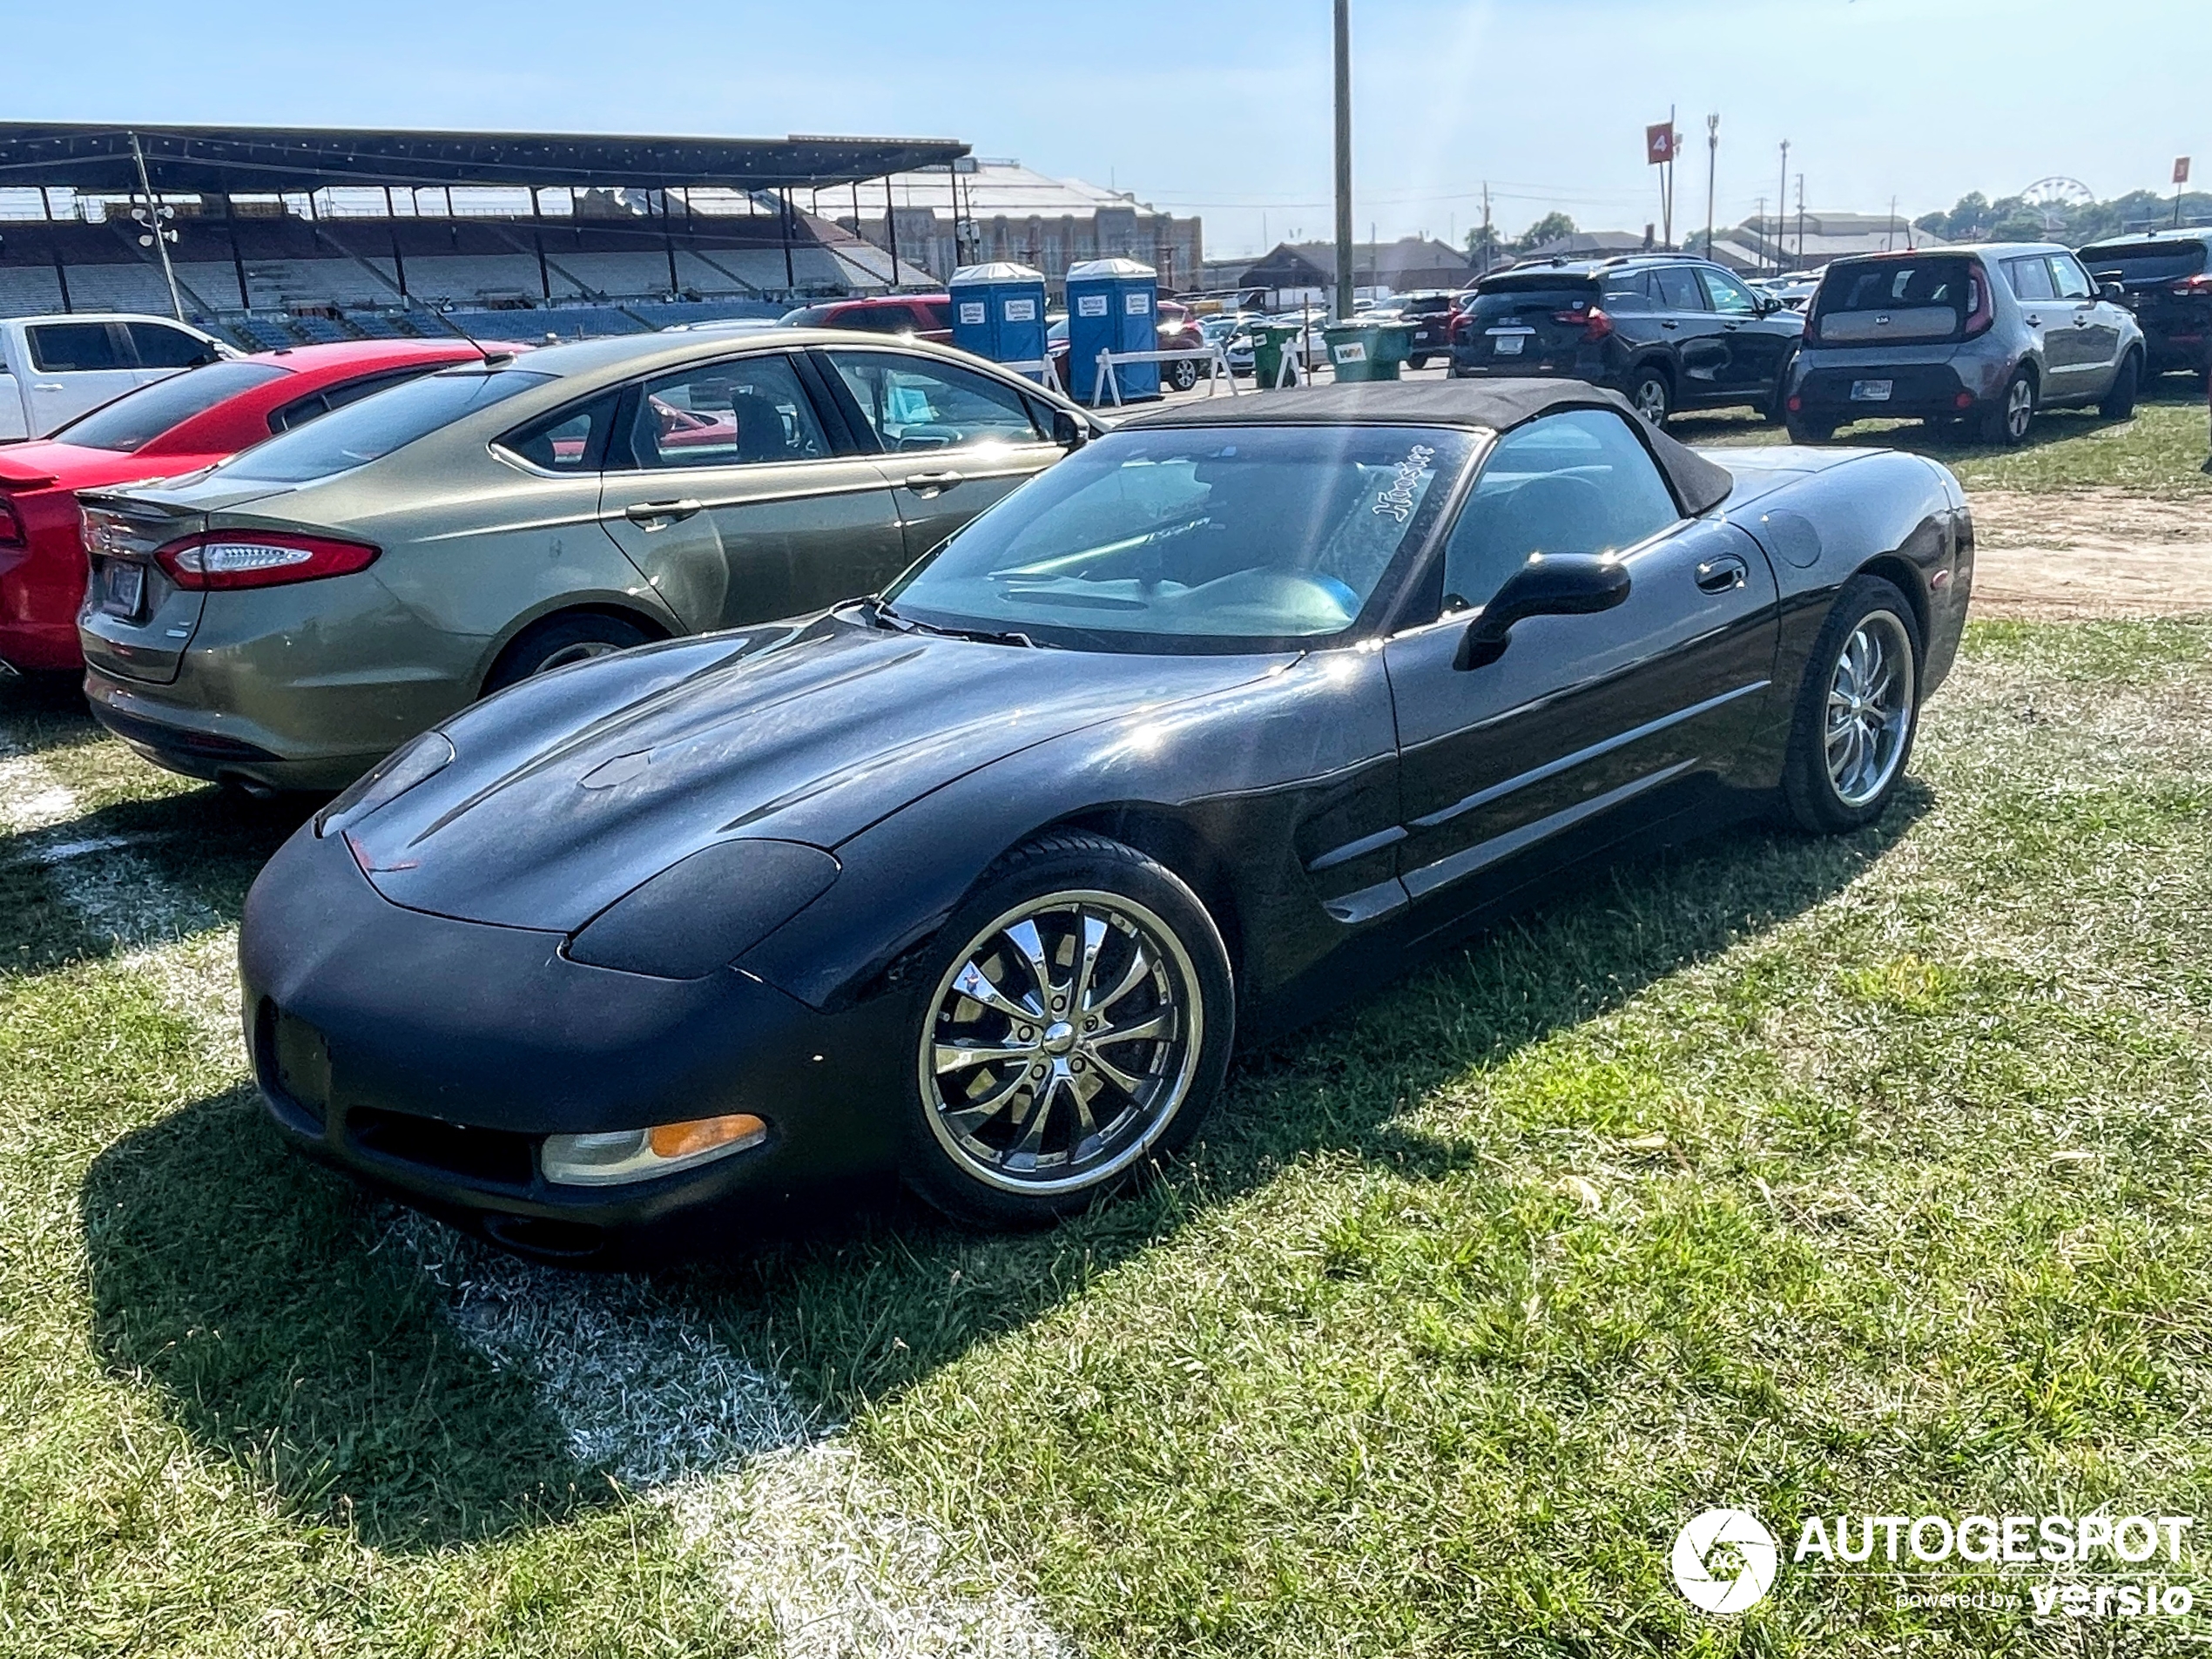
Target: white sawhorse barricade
1108 381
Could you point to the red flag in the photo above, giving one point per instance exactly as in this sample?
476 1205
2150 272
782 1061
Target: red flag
1659 143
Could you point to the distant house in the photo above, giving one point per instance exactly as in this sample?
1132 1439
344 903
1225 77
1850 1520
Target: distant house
1782 242
1591 245
1295 274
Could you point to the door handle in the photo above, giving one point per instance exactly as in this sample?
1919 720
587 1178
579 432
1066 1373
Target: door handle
46 386
2032 321
1722 576
929 483
1665 323
653 512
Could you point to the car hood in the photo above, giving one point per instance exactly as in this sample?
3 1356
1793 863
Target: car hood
567 792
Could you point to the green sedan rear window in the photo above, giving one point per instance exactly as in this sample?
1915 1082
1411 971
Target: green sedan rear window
372 428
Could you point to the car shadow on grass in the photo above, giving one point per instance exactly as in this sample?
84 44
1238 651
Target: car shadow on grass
265 1299
286 1330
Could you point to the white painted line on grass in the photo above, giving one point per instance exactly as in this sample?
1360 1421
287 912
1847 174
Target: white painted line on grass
802 1536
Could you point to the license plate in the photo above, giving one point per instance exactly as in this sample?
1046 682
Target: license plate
124 589
1509 345
1870 391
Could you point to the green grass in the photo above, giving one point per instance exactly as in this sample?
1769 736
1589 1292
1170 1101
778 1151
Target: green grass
2162 452
1866 1174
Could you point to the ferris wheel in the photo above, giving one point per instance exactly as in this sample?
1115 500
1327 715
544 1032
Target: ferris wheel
2054 200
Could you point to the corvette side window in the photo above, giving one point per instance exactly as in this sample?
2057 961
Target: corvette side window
1577 482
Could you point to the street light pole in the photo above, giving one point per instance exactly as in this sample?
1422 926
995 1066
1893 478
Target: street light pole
1781 204
1344 159
159 235
1712 167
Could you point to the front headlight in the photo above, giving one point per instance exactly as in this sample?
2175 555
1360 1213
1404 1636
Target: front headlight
607 1158
384 783
704 912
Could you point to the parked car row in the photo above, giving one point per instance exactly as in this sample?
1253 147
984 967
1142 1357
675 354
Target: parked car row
286 617
183 423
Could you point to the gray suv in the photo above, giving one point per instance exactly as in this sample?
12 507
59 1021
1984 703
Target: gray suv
1979 337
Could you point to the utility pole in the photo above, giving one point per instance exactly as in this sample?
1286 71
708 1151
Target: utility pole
1889 242
1486 228
1712 169
158 230
1781 205
1344 159
1801 219
1759 237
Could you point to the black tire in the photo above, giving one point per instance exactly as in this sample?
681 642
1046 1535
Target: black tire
2118 403
2007 419
1055 886
555 642
1652 391
1812 796
1803 431
1418 360
1182 374
1777 406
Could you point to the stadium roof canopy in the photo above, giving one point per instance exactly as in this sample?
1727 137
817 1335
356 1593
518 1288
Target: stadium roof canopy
96 158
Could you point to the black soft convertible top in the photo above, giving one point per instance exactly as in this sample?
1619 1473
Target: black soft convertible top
1500 405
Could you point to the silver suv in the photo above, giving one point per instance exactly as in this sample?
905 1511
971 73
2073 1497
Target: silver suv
1977 337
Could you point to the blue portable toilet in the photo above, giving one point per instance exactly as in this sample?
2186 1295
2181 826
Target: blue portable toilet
1111 308
998 311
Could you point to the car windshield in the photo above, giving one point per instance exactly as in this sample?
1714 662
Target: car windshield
137 418
2145 261
1194 538
372 428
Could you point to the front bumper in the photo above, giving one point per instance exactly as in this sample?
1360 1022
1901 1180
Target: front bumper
429 1057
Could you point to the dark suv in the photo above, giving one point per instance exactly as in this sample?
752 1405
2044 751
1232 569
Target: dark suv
2166 280
1666 330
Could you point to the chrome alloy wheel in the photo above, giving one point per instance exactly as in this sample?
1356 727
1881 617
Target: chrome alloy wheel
1651 399
1869 708
2019 407
1061 1043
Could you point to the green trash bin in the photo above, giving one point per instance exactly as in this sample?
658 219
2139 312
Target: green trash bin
1270 342
1367 351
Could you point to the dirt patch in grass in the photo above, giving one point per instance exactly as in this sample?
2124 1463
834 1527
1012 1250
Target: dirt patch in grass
2083 553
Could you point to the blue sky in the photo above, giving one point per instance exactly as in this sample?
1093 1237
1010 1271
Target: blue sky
1223 109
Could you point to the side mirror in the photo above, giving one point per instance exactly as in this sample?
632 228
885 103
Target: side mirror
1550 585
1068 432
2113 291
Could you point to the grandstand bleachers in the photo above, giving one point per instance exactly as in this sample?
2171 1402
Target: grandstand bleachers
269 281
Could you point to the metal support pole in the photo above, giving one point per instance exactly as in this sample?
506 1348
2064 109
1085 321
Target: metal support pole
1781 207
537 240
154 220
1712 170
392 224
238 260
785 213
891 230
1344 157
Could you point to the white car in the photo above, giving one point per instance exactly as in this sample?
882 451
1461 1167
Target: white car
53 369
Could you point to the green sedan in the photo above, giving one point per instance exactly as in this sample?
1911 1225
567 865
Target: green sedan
286 619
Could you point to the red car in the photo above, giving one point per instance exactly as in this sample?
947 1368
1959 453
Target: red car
926 316
174 426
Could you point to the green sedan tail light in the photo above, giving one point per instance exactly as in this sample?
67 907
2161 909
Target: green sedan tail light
224 559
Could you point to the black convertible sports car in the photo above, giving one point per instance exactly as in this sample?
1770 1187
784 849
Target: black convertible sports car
1236 708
